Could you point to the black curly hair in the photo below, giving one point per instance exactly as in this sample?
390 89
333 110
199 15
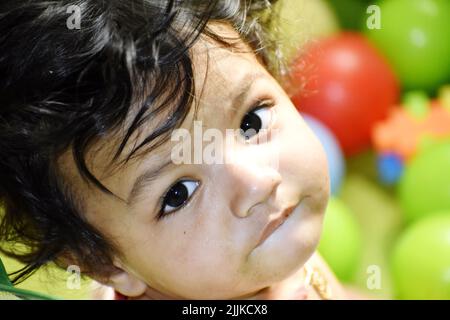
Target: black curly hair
67 88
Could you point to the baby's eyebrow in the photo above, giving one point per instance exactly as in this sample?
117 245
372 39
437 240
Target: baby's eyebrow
146 179
243 89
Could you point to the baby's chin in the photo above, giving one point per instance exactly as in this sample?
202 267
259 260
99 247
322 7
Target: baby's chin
290 246
273 272
278 269
246 281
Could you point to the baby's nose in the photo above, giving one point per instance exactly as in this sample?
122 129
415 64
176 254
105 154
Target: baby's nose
249 185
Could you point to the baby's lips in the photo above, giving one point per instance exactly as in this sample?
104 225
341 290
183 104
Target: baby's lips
275 223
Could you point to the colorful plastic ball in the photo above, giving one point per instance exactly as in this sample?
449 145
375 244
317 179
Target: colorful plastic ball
414 35
380 220
335 157
416 103
300 21
425 185
390 168
421 259
341 242
351 13
346 84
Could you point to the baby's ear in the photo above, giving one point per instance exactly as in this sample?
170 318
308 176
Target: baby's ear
121 280
125 282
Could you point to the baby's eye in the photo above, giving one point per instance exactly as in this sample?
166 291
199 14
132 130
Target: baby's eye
177 196
256 120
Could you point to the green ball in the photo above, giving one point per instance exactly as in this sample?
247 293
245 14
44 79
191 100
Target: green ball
341 241
421 259
351 13
425 184
414 37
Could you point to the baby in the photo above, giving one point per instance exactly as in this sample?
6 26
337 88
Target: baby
95 96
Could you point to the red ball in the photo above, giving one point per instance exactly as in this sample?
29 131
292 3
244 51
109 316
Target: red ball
345 82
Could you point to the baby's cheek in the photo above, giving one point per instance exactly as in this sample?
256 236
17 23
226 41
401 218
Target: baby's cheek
194 268
299 149
302 157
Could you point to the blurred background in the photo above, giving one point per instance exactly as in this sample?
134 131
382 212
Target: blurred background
371 78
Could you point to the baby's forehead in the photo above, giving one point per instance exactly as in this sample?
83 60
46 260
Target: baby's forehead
218 62
221 72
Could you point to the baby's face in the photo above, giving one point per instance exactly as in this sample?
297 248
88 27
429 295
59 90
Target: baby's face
205 237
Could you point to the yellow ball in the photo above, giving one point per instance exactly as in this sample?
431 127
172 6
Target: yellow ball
300 21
